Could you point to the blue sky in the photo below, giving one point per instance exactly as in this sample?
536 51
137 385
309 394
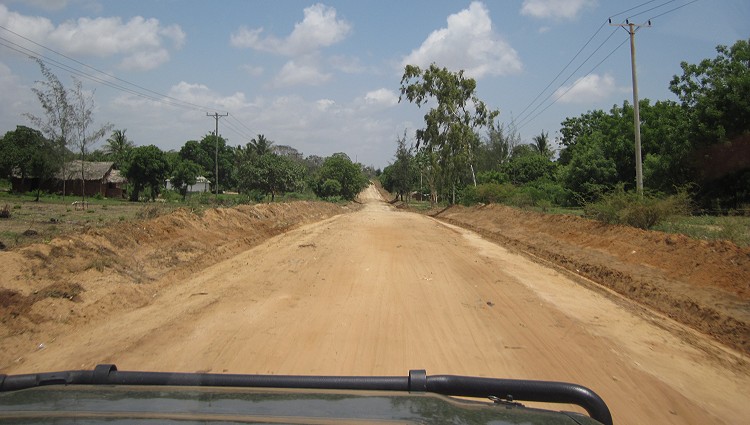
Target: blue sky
323 77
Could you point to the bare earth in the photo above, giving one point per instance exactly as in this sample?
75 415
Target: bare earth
372 292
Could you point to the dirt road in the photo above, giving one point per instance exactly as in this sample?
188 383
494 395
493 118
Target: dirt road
379 292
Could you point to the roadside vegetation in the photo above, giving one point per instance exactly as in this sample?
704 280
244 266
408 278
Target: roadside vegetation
696 154
696 158
43 170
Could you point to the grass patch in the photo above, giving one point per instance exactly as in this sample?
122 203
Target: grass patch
52 216
100 264
65 290
735 229
641 211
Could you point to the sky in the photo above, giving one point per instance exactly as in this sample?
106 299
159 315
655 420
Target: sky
324 77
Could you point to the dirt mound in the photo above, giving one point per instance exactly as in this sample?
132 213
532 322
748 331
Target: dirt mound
705 285
82 277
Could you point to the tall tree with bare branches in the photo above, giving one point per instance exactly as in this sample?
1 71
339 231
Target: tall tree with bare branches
58 121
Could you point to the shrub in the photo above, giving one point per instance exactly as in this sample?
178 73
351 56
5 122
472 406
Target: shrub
495 193
148 212
629 208
551 191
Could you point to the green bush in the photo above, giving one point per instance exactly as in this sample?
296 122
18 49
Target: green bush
171 195
329 188
506 193
629 208
553 192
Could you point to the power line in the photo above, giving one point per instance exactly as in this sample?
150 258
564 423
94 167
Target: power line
573 86
632 8
232 117
233 126
520 116
110 80
523 121
562 70
159 97
653 8
672 10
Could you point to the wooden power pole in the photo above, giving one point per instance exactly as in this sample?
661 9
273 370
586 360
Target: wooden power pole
631 28
216 116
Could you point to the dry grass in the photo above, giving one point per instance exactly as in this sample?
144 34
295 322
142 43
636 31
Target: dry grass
34 222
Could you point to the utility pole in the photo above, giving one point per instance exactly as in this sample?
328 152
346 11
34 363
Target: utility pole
631 29
216 116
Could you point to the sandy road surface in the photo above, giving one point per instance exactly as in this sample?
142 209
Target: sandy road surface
379 292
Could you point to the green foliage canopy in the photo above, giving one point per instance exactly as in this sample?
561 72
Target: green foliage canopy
185 173
28 154
271 174
147 167
449 135
203 153
341 169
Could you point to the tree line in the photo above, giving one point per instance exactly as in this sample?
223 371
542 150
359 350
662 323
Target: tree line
258 169
699 144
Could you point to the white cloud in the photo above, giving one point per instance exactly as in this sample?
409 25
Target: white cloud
347 64
145 60
325 104
384 97
302 72
469 43
320 125
200 94
16 97
555 9
140 40
319 28
590 88
197 94
252 70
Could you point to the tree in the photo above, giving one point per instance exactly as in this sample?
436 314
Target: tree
403 175
271 174
496 147
542 146
340 168
716 94
612 133
261 145
17 148
203 153
58 122
27 152
527 165
147 167
83 106
589 173
450 132
185 173
118 146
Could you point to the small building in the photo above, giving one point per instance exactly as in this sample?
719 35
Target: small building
202 184
77 178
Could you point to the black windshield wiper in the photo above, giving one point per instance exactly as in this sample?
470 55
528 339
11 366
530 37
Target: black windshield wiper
417 381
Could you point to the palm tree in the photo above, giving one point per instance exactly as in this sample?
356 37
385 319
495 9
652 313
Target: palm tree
118 145
541 145
261 145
